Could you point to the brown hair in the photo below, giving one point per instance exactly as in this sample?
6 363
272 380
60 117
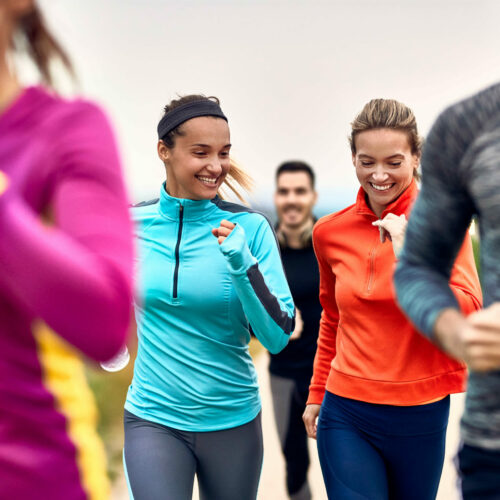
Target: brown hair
41 45
237 177
387 113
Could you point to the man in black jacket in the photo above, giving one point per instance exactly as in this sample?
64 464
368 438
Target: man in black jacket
291 369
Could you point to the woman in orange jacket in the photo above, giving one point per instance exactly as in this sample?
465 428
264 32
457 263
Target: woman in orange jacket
383 389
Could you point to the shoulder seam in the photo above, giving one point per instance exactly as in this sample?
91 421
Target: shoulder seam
240 209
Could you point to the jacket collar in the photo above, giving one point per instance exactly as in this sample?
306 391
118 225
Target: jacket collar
401 205
192 209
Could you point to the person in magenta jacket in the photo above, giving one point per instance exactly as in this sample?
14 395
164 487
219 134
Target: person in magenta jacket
65 260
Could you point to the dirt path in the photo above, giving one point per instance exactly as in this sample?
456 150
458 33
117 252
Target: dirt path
272 483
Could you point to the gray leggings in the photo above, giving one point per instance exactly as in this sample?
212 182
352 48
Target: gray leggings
289 401
161 462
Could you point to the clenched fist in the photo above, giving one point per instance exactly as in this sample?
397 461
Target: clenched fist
223 231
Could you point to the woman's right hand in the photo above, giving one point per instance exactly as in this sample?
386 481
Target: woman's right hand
223 231
310 417
393 227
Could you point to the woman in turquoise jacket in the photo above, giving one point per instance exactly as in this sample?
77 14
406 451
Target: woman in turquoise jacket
209 274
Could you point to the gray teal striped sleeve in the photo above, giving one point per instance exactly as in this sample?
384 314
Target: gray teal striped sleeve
460 179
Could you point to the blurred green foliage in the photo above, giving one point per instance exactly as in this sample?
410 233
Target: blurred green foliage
475 248
110 390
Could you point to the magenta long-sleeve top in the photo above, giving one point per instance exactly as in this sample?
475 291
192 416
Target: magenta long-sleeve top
65 262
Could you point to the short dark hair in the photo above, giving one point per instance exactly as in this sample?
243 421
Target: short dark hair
296 166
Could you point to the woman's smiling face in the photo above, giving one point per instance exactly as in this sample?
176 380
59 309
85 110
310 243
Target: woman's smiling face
199 161
384 164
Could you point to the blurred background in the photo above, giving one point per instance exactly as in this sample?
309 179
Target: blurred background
291 75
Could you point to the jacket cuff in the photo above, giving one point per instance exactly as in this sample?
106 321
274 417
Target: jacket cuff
316 395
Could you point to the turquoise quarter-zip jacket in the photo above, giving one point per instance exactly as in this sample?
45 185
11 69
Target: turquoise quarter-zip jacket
196 304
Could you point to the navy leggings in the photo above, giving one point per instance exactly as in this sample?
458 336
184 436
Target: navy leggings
380 452
161 462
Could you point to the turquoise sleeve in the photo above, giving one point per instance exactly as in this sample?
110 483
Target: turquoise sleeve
259 279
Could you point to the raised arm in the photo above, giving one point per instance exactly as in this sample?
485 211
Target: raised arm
260 283
464 280
76 274
436 230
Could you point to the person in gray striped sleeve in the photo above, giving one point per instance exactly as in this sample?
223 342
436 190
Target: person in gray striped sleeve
461 180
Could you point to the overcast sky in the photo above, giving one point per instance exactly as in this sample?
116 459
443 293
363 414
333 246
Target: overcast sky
291 75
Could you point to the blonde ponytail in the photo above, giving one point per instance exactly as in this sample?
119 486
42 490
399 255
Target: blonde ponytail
237 180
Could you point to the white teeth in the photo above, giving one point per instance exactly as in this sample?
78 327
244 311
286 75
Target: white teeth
208 180
381 188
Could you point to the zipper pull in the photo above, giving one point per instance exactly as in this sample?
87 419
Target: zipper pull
381 230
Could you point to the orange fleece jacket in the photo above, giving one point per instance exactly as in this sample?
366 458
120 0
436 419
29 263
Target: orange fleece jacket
367 349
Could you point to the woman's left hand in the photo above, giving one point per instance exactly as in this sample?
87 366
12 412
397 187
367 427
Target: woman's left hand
4 183
223 231
393 227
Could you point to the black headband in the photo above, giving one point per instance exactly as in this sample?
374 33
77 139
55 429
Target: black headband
185 112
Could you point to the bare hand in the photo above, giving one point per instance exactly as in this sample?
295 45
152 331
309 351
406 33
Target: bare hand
4 183
299 325
310 417
393 227
223 231
475 339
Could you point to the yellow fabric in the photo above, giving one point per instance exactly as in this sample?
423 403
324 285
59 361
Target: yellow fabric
64 376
